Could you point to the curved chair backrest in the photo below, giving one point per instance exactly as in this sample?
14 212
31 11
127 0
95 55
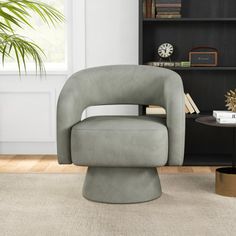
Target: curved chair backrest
124 84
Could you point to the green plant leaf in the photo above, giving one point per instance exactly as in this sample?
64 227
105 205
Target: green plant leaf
17 13
22 49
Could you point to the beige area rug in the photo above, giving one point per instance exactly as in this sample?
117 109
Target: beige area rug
51 204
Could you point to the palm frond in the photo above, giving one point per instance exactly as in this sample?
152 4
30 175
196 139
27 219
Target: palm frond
22 49
5 26
17 13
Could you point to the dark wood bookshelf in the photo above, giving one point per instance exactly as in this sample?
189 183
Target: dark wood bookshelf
204 23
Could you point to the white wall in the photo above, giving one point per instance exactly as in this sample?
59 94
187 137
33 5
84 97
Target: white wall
106 34
111 32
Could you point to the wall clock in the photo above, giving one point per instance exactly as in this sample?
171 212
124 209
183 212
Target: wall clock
165 50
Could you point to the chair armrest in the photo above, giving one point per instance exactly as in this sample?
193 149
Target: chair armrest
174 103
69 111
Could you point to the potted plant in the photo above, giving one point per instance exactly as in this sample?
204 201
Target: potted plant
17 14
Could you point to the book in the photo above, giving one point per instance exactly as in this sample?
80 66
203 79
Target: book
185 64
168 5
192 103
155 110
188 105
154 63
144 9
177 64
168 1
161 64
168 9
168 16
226 120
168 13
148 8
224 114
186 109
168 64
153 9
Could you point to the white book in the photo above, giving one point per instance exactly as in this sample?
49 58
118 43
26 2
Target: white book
188 105
226 120
192 103
186 110
155 110
224 114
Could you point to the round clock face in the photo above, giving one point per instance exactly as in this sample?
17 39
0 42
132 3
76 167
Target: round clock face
165 50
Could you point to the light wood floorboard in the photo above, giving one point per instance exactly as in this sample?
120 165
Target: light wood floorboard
49 164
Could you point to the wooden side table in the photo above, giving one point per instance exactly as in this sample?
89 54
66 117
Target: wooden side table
225 177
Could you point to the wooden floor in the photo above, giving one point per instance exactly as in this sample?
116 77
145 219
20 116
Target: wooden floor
49 164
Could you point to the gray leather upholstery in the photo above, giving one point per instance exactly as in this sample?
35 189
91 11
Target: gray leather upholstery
120 141
125 84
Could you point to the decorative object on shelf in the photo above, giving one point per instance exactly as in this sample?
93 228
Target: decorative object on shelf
203 56
168 9
231 100
165 51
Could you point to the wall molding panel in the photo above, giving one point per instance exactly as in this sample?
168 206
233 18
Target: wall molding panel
27 115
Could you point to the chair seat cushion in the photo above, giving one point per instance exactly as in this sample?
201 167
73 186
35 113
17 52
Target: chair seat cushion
120 141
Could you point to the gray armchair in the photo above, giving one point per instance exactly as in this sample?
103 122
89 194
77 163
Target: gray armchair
121 152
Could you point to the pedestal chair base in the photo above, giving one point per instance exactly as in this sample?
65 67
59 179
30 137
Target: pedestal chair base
121 185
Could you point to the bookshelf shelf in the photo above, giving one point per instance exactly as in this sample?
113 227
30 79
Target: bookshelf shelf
210 23
204 19
219 68
188 116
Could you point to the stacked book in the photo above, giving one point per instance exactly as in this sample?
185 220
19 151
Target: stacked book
225 117
190 107
169 64
168 8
